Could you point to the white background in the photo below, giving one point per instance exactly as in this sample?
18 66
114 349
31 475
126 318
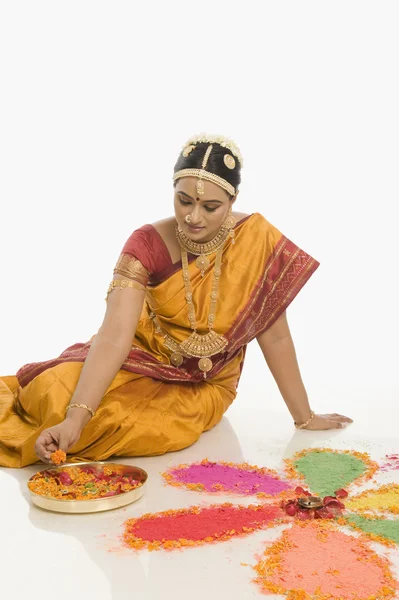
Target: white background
97 99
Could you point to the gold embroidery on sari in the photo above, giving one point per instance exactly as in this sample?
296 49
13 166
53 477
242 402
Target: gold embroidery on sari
129 266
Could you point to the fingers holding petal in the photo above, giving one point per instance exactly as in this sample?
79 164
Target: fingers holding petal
43 445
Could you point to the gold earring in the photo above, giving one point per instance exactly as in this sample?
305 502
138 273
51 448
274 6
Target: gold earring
230 223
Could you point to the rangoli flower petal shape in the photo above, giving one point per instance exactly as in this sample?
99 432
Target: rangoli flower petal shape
384 499
226 477
315 560
385 531
326 471
195 526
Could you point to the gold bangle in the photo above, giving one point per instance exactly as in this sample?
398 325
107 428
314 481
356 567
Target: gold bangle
312 416
89 408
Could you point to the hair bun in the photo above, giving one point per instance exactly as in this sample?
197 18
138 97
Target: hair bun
213 139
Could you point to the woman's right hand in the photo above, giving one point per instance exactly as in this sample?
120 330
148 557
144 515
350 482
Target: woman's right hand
60 437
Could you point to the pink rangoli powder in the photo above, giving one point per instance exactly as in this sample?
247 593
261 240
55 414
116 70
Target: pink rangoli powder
391 463
216 477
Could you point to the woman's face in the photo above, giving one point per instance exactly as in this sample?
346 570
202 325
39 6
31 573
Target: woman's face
207 211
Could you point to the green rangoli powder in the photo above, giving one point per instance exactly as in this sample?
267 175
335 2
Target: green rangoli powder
326 472
387 528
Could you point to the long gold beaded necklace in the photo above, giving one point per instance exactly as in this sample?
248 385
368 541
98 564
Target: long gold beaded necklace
197 345
203 346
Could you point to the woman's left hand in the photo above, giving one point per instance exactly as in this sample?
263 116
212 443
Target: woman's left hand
328 421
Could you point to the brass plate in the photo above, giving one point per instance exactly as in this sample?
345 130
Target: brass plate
97 504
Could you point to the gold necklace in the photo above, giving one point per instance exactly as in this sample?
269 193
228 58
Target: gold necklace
197 345
202 250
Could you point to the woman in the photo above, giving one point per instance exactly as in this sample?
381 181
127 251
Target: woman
188 294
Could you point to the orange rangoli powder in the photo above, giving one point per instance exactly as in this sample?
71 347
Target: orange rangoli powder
315 560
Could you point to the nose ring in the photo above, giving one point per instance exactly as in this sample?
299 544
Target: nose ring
188 219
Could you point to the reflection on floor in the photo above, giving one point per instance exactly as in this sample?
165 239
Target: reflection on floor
84 556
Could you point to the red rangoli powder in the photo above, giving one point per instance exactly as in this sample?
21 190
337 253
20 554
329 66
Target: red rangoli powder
194 526
242 478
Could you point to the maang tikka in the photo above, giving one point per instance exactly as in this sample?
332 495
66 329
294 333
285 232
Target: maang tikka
200 183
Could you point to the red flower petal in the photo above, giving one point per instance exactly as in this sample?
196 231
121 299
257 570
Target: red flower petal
64 478
341 493
291 510
88 469
334 504
323 513
328 499
306 515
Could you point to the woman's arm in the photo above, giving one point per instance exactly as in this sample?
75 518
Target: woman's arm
108 351
278 349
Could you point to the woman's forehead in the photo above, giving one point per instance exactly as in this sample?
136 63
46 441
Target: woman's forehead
212 191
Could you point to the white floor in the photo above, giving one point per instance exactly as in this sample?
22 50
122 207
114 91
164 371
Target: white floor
46 555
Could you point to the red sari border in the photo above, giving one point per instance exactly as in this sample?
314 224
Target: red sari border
137 361
285 275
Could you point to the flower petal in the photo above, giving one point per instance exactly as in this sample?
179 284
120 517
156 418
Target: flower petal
194 526
379 529
314 559
326 470
385 498
233 478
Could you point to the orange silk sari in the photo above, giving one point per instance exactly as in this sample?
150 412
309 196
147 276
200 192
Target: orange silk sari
139 415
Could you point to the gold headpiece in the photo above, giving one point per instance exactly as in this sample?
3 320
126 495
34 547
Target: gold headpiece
202 174
216 139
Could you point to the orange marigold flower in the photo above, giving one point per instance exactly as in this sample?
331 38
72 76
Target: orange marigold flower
58 457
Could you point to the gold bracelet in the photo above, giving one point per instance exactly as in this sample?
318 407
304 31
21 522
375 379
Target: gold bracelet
123 284
89 408
312 416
